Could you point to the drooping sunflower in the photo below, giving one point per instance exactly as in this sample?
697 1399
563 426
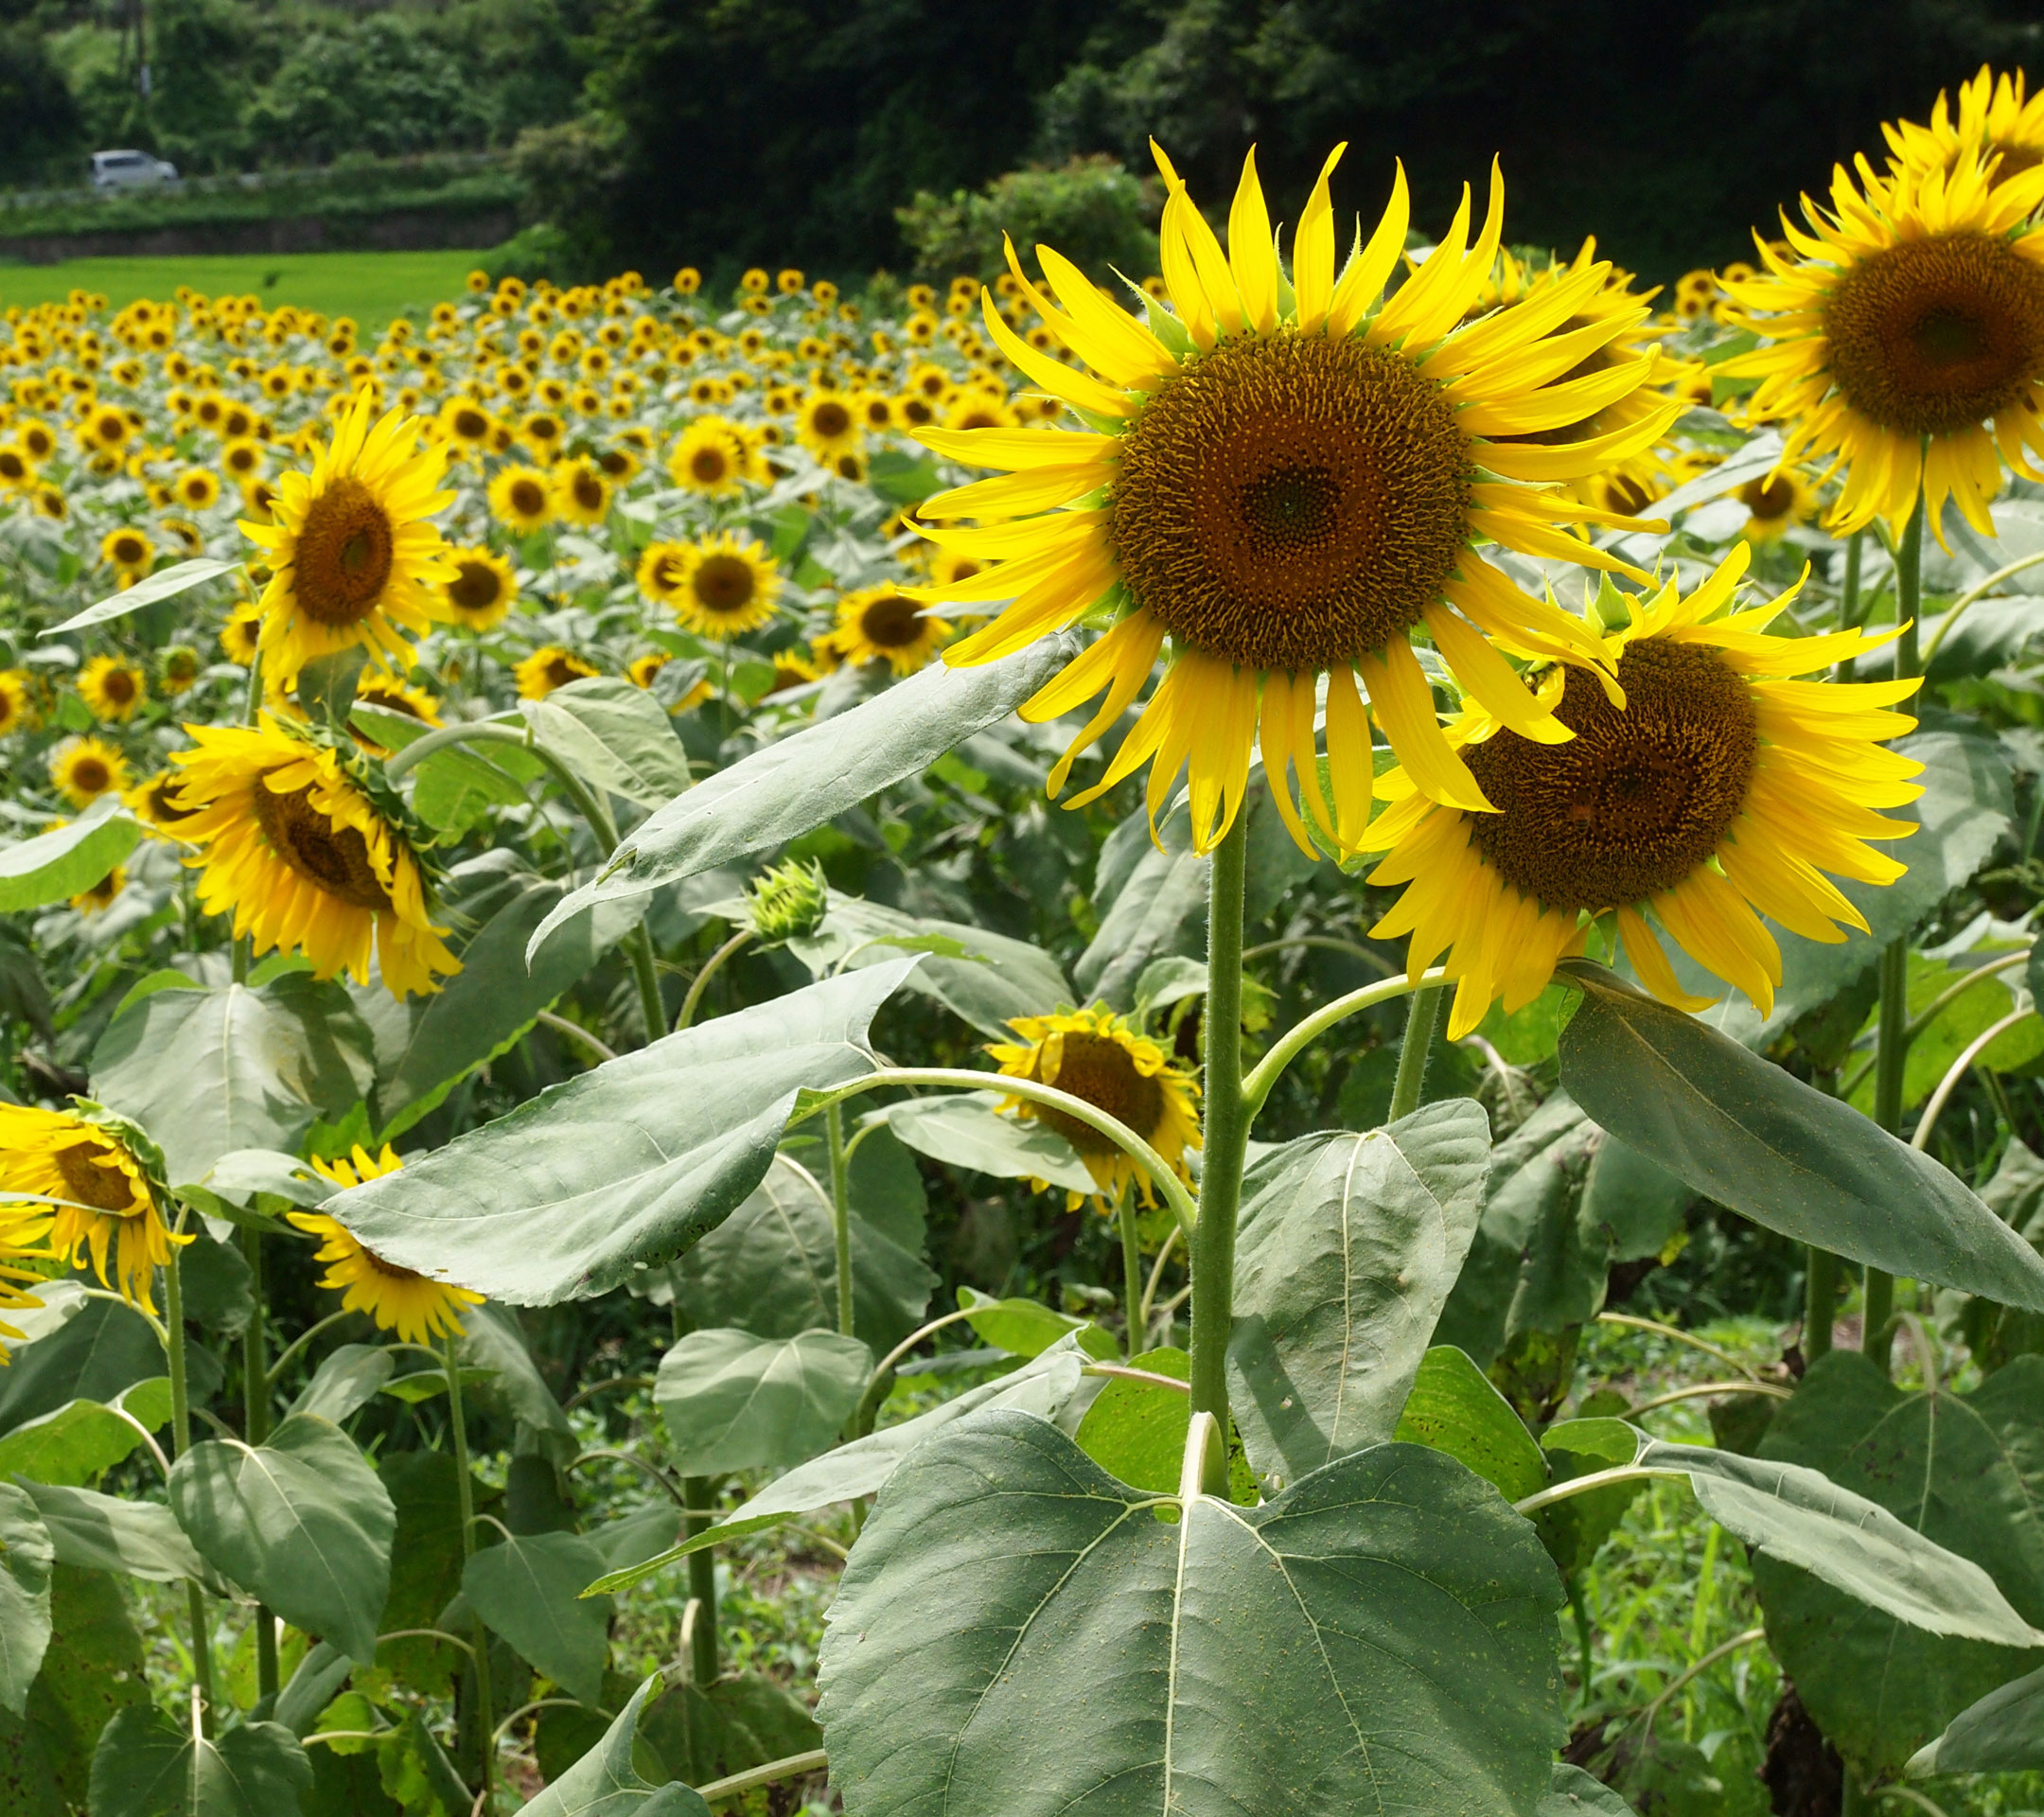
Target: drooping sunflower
1906 340
112 688
111 1198
1288 480
417 1308
1995 119
82 770
729 586
126 549
581 493
294 848
891 625
241 635
1778 502
519 499
1722 787
481 589
549 667
1105 1059
355 558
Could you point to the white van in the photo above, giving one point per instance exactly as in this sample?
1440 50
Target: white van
121 170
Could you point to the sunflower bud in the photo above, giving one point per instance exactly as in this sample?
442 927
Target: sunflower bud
788 901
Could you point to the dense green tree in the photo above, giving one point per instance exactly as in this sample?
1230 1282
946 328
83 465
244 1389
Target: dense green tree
42 125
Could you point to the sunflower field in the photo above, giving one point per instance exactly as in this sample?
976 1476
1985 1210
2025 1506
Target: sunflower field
1263 1041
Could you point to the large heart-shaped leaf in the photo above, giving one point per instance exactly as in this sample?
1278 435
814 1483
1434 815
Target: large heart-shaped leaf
604 1783
529 1590
1379 1637
92 1669
735 1401
615 736
147 1765
780 792
84 1438
95 1532
25 1558
1347 1249
301 1520
2003 1733
621 1168
96 1353
1454 1408
57 865
1774 1150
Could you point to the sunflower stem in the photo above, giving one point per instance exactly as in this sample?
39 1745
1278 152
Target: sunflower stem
703 1663
1820 1306
202 1621
1132 1276
465 1491
255 1427
712 966
840 1192
1422 1024
1307 1029
1225 1138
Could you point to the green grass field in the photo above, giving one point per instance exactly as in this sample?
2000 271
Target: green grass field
371 287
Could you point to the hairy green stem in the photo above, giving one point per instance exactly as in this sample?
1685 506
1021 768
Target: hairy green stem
255 1427
703 1664
1820 1304
794 1766
1423 1023
1225 1138
840 1192
202 1621
712 966
464 1489
1132 1278
1307 1029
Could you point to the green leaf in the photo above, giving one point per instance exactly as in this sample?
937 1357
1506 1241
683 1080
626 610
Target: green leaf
1135 1430
1020 1327
968 1129
82 1439
346 1379
615 737
736 1723
1932 1050
603 1782
529 1591
165 583
207 1072
1772 1149
53 867
321 1675
92 1668
1454 1408
1634 1204
426 1563
1966 1473
325 687
1041 1386
246 1171
772 1267
1324 1651
95 1532
624 1167
492 1340
25 1558
1573 1531
787 789
1349 1247
1158 911
2003 1733
94 1354
1573 1794
301 1520
147 1765
735 1401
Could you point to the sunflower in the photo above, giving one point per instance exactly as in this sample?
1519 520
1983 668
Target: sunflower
581 493
1723 786
113 689
466 423
417 1308
126 549
17 704
155 802
294 848
791 669
641 670
887 622
241 635
177 668
50 502
663 570
1907 341
518 498
99 896
1778 502
710 457
827 424
16 469
481 589
1100 1057
185 533
242 460
549 667
400 696
82 770
1288 480
111 1200
354 554
1997 120
728 587
197 488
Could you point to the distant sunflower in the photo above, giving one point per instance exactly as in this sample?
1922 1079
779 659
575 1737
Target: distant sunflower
417 1308
1100 1057
1778 502
581 493
728 587
1288 480
481 589
641 671
294 849
1721 787
177 668
710 457
828 425
241 635
400 696
888 623
791 669
50 502
82 770
16 469
664 570
96 898
549 667
197 488
17 705
518 498
112 688
1906 341
112 1204
155 801
128 549
354 554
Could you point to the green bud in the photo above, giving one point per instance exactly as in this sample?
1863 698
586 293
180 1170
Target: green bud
788 901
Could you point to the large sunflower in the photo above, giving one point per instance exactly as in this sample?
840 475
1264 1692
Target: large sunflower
295 850
1100 1057
354 554
110 1201
1722 787
1287 478
417 1308
728 585
1907 340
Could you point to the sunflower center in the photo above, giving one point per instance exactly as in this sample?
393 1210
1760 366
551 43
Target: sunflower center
527 498
344 556
1291 502
105 1189
1638 799
388 1270
830 420
89 776
129 551
334 857
1934 335
475 587
1768 499
892 622
118 686
724 584
708 465
1099 1069
589 491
